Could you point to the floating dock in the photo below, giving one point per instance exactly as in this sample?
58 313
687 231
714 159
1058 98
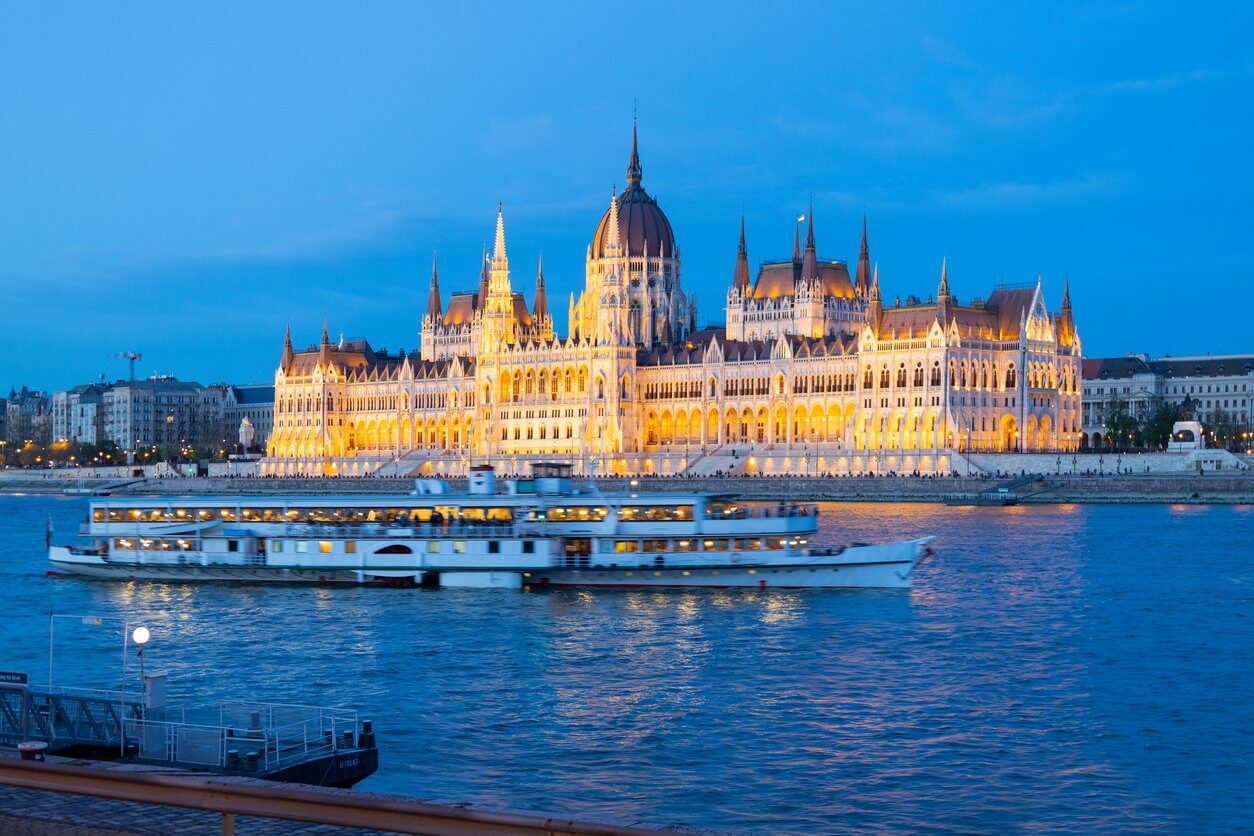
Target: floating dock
270 741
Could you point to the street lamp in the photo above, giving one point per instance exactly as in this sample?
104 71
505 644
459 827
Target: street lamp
140 636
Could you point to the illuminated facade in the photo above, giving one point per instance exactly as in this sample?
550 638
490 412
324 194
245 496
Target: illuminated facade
813 373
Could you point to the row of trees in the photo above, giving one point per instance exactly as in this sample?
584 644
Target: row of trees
74 454
1125 430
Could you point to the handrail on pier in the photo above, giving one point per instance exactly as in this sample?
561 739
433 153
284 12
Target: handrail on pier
243 798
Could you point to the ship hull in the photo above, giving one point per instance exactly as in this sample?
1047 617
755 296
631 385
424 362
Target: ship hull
894 575
889 565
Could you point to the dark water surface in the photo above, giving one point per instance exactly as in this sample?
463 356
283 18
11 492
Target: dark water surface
1055 668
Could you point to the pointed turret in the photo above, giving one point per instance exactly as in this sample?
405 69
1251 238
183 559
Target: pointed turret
796 241
810 260
1066 324
483 279
613 243
435 310
324 347
633 165
498 250
540 310
288 354
874 307
740 279
862 278
943 297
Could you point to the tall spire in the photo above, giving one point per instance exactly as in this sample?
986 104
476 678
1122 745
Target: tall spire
613 236
874 306
434 309
810 261
942 291
862 278
288 354
483 279
540 309
633 165
740 279
796 241
498 251
1066 323
324 349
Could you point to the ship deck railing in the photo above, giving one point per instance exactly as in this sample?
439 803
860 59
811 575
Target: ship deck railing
396 530
271 734
274 734
764 512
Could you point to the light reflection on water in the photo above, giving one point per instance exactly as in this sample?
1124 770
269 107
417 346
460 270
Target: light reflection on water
1069 667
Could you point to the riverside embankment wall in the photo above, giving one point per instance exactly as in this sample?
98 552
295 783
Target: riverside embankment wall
1231 487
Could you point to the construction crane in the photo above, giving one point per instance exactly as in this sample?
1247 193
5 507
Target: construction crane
132 356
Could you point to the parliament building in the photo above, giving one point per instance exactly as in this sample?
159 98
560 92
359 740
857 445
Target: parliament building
814 372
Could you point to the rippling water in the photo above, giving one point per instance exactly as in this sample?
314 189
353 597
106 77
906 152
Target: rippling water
1054 668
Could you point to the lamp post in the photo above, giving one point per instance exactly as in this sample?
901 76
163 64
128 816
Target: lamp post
140 636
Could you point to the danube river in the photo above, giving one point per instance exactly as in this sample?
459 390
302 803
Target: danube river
1054 668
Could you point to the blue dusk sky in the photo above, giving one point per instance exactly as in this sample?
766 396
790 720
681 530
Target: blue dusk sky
183 179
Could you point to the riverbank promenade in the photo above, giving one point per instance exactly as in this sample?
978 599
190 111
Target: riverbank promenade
70 797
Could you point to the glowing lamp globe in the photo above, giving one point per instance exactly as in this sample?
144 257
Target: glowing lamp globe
141 635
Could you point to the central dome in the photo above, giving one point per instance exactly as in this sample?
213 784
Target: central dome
640 220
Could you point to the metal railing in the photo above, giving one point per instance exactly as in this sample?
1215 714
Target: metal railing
229 798
764 512
398 529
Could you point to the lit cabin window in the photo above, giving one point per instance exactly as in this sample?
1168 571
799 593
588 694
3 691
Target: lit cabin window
459 547
715 545
655 513
433 546
276 546
350 546
324 546
580 513
627 546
